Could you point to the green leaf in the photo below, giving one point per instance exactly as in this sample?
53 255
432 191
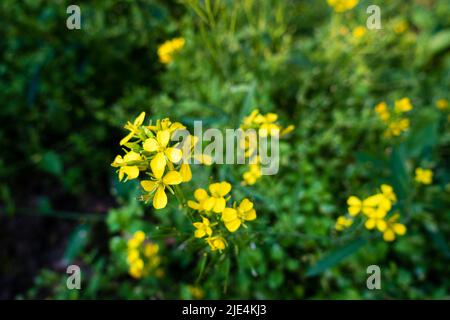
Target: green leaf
51 163
335 257
76 243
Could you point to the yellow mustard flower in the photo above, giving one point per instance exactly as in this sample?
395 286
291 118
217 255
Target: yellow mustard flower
368 205
403 105
163 152
216 202
159 185
342 5
201 195
376 219
150 250
167 49
383 111
393 228
125 166
424 176
187 150
397 127
442 104
133 255
137 268
216 243
166 124
203 228
253 174
133 128
196 292
233 218
268 126
359 32
388 192
342 223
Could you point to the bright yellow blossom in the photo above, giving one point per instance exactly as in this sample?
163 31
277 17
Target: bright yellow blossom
424 176
203 228
201 195
131 170
388 192
216 202
233 218
442 104
150 250
163 152
397 127
376 219
133 128
159 185
383 112
359 32
216 243
167 49
393 228
368 205
342 5
403 105
343 223
253 174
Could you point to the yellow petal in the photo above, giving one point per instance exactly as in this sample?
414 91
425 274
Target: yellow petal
148 185
389 235
200 194
132 172
370 224
117 161
186 173
219 206
127 138
199 233
140 119
121 173
151 145
381 225
209 203
160 198
233 225
250 215
132 156
399 228
246 205
174 154
224 188
158 164
214 188
163 137
193 205
229 214
172 178
354 201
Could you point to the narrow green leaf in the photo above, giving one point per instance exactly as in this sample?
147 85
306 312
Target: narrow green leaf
335 257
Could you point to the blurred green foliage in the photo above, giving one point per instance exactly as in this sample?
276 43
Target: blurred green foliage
66 95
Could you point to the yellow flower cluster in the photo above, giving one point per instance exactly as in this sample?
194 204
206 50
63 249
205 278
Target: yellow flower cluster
212 206
396 122
265 125
151 151
167 50
359 32
142 256
342 5
424 176
375 209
